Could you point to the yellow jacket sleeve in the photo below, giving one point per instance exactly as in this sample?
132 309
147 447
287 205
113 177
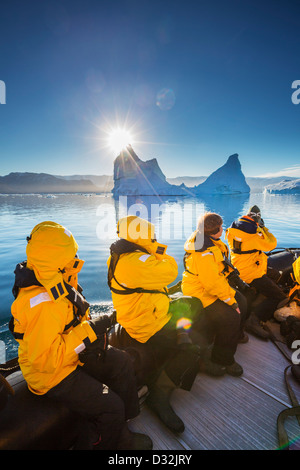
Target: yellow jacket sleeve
49 348
265 240
212 280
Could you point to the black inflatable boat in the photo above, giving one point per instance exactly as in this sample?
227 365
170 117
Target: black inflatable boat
31 422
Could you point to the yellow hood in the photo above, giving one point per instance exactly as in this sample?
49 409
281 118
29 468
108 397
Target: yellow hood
51 247
141 232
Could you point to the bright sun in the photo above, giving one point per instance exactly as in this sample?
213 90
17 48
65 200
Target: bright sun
119 139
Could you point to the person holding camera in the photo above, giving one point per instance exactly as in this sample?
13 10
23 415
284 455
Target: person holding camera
151 323
206 277
248 239
63 352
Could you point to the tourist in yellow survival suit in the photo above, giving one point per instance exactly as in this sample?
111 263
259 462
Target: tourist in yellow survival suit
138 272
248 238
61 349
206 277
296 270
295 291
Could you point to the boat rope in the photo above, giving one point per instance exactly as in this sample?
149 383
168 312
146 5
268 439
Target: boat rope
284 442
279 343
9 367
294 410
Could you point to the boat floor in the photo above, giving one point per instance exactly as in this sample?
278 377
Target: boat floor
231 413
228 413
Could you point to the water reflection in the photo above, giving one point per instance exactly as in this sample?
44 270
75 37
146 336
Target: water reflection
93 219
229 207
176 217
173 217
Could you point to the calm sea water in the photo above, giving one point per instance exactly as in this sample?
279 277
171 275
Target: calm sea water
92 220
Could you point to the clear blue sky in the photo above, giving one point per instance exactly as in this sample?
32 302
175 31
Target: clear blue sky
76 69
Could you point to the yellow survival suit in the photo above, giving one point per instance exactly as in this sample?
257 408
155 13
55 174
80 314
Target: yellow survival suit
248 239
247 242
149 268
295 290
205 276
296 270
138 272
62 352
36 304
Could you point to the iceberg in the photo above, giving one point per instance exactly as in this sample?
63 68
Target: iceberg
133 177
228 179
286 186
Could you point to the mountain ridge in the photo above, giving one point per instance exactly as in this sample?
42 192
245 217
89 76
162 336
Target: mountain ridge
104 183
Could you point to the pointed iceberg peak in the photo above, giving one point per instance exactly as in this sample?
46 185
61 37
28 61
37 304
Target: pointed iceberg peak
228 179
133 176
129 152
233 160
232 163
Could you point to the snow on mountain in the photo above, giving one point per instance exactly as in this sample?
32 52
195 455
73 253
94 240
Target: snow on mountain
286 186
228 179
132 176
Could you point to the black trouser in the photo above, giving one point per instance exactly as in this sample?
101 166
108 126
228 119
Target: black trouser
161 351
143 358
223 325
243 306
267 287
181 363
105 407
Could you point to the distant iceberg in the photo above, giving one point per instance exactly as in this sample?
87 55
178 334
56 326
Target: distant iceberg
132 176
228 179
284 187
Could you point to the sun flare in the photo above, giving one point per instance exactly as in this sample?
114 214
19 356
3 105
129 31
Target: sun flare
119 139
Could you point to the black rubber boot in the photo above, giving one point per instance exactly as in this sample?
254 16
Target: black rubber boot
134 441
158 401
234 369
253 326
211 368
244 338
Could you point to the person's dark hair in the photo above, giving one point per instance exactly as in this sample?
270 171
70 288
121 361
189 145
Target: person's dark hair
210 223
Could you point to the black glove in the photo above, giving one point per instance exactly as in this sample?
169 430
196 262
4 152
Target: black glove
95 350
101 324
236 282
